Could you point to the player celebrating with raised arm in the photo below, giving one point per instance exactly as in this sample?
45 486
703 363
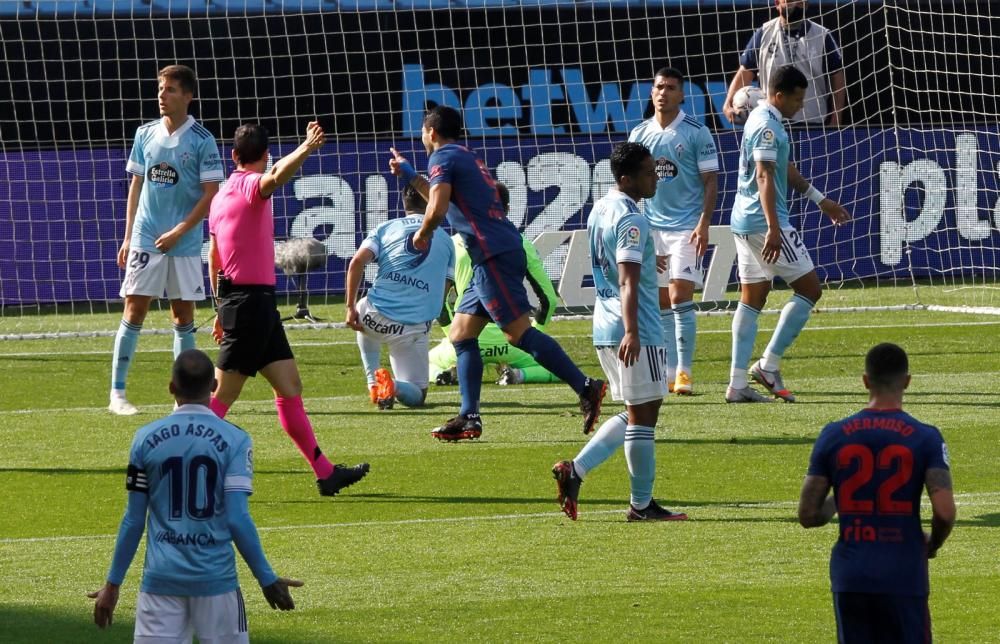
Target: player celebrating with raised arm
877 461
767 245
497 289
189 477
403 301
627 334
176 170
241 269
679 214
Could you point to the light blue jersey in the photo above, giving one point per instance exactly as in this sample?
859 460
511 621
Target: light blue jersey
619 232
173 167
683 151
409 287
764 139
185 463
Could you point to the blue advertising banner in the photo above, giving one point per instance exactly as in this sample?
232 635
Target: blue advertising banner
924 203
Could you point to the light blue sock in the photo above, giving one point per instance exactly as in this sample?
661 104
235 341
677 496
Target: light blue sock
684 320
640 454
183 338
669 342
409 394
125 341
608 438
371 355
744 334
794 316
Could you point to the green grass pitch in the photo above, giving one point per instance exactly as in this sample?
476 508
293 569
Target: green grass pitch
455 543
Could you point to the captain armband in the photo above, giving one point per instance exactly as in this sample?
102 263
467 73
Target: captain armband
135 480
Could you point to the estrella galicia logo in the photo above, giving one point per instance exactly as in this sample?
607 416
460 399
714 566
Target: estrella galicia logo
162 175
418 255
665 168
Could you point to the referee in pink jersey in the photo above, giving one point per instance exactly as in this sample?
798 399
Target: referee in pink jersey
241 269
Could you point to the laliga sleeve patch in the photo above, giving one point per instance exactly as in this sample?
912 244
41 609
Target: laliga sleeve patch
767 136
250 460
632 236
944 454
135 480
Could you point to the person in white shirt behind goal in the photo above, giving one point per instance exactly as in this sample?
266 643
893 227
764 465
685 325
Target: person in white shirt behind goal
793 39
679 214
176 171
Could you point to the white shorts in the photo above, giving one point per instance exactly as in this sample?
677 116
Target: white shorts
793 260
170 619
642 382
148 273
408 343
683 261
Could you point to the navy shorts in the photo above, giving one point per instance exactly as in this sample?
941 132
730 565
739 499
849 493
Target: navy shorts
864 618
496 290
252 334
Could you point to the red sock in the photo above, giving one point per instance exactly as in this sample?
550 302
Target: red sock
220 408
293 419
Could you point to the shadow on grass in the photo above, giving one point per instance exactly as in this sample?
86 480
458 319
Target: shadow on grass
31 625
991 520
736 440
110 470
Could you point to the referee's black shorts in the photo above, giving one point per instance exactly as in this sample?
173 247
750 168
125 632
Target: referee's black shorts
252 334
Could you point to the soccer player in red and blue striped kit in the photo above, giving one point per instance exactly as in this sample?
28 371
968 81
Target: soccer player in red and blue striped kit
496 292
877 462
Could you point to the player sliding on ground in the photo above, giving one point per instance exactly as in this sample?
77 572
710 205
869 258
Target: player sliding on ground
497 289
767 245
628 336
404 299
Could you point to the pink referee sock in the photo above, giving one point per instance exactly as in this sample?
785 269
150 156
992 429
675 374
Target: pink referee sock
293 419
218 407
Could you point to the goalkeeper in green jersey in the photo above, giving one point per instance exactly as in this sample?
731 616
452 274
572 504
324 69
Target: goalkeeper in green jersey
513 365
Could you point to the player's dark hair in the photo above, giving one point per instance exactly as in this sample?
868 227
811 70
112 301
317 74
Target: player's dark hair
446 121
250 143
626 159
670 72
787 79
192 375
183 75
504 196
413 201
886 366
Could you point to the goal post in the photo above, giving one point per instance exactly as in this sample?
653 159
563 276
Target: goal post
547 87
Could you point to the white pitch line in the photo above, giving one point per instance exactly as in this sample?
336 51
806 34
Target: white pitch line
478 518
337 343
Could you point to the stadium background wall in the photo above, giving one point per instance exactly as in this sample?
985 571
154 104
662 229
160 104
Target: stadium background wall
74 108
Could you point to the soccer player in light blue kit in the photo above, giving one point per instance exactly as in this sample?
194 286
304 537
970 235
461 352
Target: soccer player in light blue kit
189 478
405 298
176 170
679 215
627 335
767 245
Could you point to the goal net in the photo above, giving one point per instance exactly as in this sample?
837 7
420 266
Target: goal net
547 87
